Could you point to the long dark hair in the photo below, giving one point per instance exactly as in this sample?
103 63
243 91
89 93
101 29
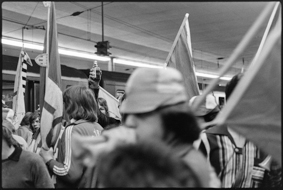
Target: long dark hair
79 103
32 118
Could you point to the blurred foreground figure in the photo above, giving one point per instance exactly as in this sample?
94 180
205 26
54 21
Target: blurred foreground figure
156 107
20 168
146 164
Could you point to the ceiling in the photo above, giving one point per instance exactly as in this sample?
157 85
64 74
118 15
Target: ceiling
139 31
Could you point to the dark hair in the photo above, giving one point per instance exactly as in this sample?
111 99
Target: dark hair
211 115
232 84
80 103
32 118
144 164
7 133
180 121
25 120
102 102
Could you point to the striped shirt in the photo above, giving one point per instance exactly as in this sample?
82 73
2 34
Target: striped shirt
235 166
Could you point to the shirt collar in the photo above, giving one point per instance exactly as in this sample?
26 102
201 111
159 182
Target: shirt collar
218 130
15 156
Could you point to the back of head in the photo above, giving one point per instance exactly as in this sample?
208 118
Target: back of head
179 123
147 164
230 86
79 103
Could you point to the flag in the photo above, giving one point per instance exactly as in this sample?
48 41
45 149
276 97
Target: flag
180 57
19 88
112 103
52 111
254 108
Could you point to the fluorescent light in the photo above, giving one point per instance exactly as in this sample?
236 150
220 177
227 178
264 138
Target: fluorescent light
82 55
100 58
212 76
135 64
20 44
62 51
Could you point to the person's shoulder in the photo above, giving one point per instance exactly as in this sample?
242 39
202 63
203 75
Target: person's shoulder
87 125
31 156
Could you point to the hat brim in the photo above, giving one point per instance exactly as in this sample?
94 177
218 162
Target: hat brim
143 103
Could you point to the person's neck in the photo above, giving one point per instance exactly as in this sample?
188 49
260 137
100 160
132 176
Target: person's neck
7 151
238 139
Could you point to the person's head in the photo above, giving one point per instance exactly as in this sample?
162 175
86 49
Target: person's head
230 86
25 120
7 134
208 110
79 103
156 105
145 164
34 121
103 106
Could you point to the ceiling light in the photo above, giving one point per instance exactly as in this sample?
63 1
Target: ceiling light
62 51
96 57
135 64
212 76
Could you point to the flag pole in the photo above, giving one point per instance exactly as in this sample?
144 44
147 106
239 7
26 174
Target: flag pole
43 70
265 33
236 53
176 39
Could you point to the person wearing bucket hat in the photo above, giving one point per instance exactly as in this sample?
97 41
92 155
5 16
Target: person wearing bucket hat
156 107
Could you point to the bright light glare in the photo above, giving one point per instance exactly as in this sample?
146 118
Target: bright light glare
135 64
96 57
211 76
61 50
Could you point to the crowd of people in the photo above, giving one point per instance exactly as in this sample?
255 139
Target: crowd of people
160 141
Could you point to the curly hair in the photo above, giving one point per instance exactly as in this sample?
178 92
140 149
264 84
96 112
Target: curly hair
80 103
180 121
102 102
145 164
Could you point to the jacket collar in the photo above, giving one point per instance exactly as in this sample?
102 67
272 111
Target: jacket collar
218 130
74 122
221 130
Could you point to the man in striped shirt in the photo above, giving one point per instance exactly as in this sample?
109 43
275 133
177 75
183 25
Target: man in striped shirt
237 161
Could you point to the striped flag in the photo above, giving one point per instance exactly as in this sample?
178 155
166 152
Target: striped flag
52 111
19 88
254 108
181 58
